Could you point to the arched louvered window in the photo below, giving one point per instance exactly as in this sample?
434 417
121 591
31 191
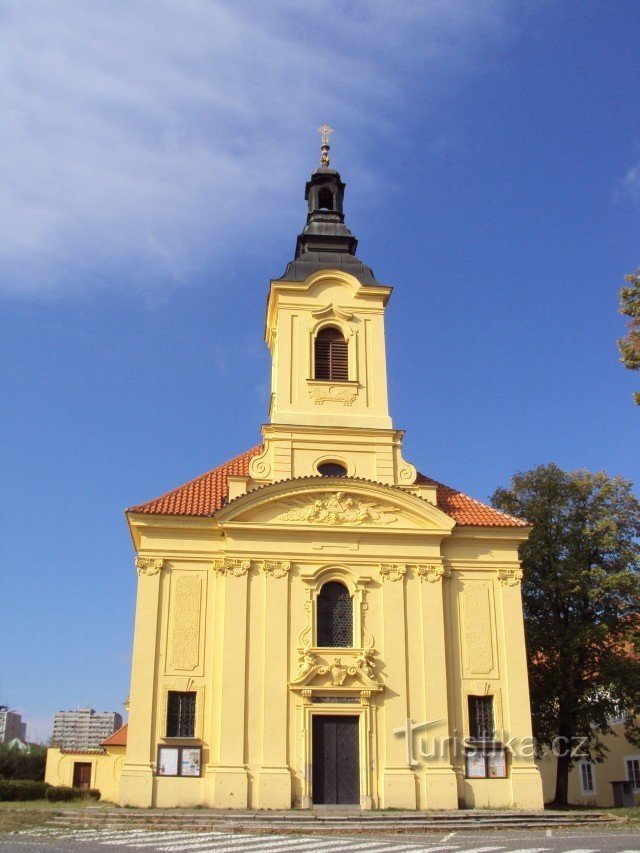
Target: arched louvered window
331 356
325 199
335 616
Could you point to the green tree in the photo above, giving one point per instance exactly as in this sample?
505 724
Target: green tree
17 763
629 345
581 601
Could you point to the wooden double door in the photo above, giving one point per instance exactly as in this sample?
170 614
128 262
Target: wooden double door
336 760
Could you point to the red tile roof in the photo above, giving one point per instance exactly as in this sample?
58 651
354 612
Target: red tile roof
118 738
207 493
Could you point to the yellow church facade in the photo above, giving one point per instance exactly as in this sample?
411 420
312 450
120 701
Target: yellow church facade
317 623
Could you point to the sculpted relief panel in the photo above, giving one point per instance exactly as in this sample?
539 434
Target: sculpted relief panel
185 628
336 509
477 629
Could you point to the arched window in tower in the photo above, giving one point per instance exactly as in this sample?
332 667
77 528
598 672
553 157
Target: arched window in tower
335 616
331 356
325 199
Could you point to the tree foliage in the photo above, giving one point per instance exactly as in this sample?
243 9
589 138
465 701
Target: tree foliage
17 763
581 600
629 345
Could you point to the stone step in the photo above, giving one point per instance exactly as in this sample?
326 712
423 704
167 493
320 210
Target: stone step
209 815
372 822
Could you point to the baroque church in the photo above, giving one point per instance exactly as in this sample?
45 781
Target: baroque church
317 622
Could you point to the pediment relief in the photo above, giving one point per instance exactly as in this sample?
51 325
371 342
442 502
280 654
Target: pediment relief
338 509
313 504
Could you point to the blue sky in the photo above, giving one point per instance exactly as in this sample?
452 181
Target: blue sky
153 161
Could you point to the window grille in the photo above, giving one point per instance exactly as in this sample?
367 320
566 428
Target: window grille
331 356
181 714
335 616
481 724
633 772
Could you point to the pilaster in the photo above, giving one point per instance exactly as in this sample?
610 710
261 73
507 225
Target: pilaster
137 778
274 777
398 780
227 785
440 780
526 782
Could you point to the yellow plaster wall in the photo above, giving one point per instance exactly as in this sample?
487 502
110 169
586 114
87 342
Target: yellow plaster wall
226 605
105 769
231 625
612 769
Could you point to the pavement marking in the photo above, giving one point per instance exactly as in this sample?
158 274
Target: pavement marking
150 837
501 847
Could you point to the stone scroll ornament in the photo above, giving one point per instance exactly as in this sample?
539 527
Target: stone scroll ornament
149 565
361 668
333 394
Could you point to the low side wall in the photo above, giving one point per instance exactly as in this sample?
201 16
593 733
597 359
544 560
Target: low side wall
105 769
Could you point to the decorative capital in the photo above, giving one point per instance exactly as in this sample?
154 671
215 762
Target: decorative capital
276 568
231 566
392 571
510 577
149 565
430 572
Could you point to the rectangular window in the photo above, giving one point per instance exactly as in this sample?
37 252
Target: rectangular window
632 766
179 760
486 764
481 725
181 714
587 777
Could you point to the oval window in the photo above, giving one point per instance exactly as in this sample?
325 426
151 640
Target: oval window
332 469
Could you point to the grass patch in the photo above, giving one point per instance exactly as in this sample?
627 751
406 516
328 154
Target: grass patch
632 813
25 815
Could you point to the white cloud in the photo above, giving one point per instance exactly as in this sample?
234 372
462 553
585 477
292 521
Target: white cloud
630 184
144 139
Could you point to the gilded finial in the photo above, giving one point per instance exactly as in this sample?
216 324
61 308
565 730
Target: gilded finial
325 130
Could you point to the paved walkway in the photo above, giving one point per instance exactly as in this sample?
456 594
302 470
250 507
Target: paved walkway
605 840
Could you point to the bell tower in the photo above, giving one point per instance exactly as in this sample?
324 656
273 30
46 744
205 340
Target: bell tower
325 331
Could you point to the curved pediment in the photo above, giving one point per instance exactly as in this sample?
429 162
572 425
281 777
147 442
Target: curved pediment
329 503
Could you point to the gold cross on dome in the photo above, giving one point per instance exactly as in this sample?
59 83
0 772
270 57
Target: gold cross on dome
325 130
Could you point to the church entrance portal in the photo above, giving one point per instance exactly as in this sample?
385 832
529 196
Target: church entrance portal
336 760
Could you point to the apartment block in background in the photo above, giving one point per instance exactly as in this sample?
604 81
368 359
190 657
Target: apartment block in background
84 728
11 725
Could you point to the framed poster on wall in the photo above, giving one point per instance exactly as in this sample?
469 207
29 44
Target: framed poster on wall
168 760
179 760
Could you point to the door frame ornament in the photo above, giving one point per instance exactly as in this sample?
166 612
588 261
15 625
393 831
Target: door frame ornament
366 715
